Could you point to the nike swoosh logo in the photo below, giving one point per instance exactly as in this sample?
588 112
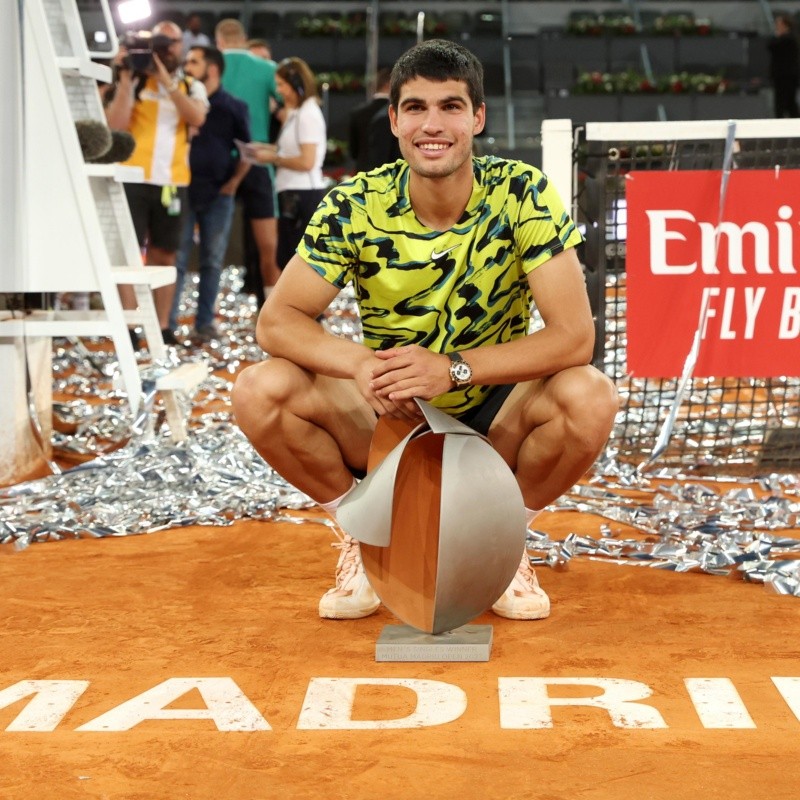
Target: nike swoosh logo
436 256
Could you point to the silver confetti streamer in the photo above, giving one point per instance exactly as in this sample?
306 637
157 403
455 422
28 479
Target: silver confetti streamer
135 480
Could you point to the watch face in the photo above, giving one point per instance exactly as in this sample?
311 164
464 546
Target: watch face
461 372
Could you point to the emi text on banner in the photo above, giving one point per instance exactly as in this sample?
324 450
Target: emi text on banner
733 276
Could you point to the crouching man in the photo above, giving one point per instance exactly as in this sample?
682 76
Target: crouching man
445 251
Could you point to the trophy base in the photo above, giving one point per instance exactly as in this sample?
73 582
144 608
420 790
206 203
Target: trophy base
405 643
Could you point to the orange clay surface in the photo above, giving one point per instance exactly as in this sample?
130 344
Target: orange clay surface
127 614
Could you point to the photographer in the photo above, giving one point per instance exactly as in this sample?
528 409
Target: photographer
159 106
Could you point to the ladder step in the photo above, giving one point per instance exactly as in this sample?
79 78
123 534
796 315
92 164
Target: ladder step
118 172
184 378
66 323
134 316
57 323
146 276
85 67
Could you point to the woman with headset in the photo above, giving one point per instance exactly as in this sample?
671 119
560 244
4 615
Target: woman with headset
297 155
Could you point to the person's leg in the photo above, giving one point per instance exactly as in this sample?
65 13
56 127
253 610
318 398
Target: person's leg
215 226
181 263
265 236
162 295
286 241
258 199
310 429
253 283
137 196
785 99
164 236
549 432
778 102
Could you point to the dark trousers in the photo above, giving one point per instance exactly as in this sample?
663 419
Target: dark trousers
297 206
253 282
786 99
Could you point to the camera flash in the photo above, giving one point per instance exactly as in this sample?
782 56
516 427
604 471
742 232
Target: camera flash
133 10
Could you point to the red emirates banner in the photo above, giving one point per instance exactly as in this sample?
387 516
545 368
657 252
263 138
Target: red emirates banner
742 267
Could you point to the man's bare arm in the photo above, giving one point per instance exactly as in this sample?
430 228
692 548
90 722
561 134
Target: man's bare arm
119 108
191 110
232 184
287 328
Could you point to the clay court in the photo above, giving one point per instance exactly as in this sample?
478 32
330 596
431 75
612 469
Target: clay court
238 604
190 661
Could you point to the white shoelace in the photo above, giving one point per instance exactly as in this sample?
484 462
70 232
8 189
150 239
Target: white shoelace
526 577
349 561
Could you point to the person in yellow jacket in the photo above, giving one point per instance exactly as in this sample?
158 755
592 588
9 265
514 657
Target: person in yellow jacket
160 108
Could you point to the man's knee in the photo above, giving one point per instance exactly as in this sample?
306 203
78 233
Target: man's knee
590 403
261 390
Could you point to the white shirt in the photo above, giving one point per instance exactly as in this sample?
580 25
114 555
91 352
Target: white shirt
191 40
303 125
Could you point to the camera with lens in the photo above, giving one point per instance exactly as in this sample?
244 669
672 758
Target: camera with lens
140 46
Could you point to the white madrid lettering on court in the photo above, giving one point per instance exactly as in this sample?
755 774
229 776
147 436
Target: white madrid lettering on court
225 702
526 703
789 689
328 704
51 701
718 703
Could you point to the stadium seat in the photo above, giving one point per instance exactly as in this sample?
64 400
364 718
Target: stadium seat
488 23
460 24
265 25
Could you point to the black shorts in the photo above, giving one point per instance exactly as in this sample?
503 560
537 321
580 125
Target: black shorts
156 225
479 418
257 194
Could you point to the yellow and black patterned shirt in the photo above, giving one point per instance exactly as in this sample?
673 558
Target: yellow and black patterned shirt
444 290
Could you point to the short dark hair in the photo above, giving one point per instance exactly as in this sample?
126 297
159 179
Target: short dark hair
212 56
438 60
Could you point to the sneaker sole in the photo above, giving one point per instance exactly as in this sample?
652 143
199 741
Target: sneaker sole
521 614
357 613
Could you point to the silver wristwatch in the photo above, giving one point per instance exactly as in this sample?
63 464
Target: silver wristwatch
460 371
